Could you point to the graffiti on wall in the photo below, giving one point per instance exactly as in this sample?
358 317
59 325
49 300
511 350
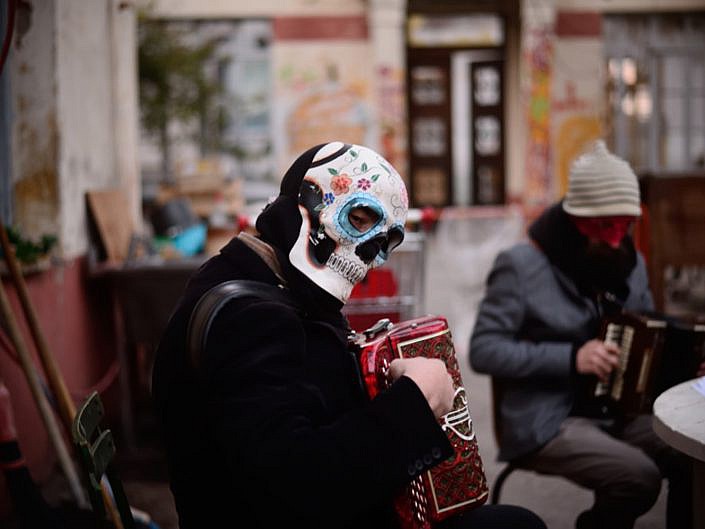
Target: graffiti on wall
538 174
391 101
321 97
322 83
574 136
576 103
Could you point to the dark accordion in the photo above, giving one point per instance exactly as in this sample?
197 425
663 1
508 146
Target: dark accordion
458 483
630 388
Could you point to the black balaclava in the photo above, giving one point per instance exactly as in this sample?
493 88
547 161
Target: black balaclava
595 268
279 225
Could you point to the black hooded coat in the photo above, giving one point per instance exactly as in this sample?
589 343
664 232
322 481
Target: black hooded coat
273 429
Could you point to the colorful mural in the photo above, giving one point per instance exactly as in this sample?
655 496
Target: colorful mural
538 171
391 112
575 134
322 83
576 102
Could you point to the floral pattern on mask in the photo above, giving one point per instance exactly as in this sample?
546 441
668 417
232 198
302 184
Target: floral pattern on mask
363 184
341 184
348 176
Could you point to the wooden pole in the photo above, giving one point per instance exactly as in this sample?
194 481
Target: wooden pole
40 399
67 408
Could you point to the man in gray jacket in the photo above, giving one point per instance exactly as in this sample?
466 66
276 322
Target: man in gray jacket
536 334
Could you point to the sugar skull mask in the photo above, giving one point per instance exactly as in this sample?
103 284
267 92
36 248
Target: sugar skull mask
343 183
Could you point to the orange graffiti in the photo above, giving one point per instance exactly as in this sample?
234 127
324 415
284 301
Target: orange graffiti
575 134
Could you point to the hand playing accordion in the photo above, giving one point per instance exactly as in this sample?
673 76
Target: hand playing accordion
458 483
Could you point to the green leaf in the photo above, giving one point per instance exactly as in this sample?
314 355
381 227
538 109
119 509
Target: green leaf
375 177
364 167
332 171
319 207
353 153
386 168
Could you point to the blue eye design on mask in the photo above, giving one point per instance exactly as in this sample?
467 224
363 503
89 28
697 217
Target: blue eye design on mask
373 244
342 218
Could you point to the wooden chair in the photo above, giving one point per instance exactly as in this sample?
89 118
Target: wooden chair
96 449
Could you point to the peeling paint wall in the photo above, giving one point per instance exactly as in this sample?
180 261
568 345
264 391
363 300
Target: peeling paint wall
35 135
74 101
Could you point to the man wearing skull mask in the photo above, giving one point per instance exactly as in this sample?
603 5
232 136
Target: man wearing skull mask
269 426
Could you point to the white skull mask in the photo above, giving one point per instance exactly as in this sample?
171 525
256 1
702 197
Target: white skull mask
330 249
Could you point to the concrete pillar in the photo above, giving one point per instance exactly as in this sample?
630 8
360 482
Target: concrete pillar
74 103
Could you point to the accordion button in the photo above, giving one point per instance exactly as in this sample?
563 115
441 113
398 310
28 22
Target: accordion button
411 469
436 452
427 459
419 464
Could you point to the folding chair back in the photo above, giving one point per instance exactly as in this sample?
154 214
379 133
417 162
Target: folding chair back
96 449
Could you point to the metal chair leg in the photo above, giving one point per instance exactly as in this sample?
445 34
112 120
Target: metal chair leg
497 489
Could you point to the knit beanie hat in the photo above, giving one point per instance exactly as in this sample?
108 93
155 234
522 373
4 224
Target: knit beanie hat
602 185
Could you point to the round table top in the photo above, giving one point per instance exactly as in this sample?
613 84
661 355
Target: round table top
679 419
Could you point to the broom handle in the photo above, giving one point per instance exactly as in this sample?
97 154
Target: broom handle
40 399
67 408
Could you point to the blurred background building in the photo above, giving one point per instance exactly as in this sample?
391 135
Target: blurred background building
112 111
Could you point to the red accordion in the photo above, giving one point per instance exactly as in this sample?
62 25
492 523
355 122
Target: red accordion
458 483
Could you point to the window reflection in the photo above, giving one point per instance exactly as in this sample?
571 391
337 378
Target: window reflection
427 85
655 90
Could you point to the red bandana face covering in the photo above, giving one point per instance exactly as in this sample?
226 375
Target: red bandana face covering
610 230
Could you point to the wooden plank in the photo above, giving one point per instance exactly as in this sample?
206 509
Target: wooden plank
111 213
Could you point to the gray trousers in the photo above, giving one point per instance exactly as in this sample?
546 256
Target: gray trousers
624 467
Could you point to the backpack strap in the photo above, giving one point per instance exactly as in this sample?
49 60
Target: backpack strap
216 298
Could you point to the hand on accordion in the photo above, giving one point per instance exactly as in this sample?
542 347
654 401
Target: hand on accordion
432 378
597 358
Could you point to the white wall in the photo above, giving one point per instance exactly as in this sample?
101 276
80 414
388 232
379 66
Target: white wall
75 115
35 134
125 108
84 109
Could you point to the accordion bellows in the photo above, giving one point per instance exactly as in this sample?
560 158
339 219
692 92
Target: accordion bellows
459 483
629 390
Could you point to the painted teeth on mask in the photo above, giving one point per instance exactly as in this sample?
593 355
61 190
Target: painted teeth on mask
351 271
